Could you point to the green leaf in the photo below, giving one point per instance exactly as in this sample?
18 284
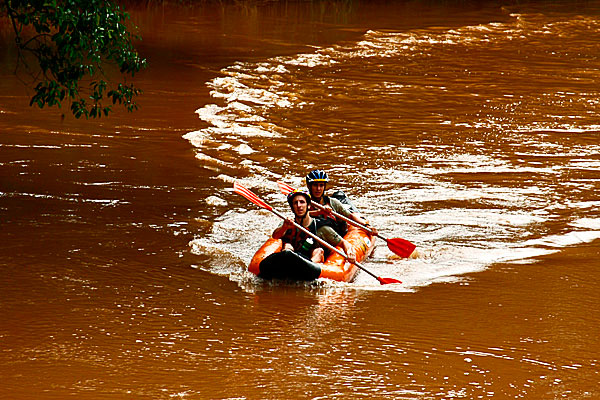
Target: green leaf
85 36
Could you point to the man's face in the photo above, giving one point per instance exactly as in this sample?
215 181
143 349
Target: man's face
317 189
299 205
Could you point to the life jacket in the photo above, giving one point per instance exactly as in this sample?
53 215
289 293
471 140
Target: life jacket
338 224
302 242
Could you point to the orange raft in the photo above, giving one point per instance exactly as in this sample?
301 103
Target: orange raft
270 262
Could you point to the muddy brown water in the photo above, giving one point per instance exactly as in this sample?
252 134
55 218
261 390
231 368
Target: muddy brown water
471 131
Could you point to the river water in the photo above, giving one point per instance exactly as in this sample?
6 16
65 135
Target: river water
471 131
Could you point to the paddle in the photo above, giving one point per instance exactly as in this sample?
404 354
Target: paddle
401 247
241 190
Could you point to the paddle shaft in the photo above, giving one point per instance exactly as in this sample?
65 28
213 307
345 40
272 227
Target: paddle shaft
348 220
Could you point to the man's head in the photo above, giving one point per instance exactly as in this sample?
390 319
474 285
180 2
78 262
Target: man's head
299 201
316 182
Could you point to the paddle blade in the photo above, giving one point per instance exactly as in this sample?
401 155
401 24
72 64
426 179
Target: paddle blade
401 247
241 190
385 281
285 188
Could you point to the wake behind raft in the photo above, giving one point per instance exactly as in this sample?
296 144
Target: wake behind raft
270 262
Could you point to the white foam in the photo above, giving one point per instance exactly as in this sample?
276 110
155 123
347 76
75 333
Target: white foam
244 149
567 239
198 138
215 201
587 223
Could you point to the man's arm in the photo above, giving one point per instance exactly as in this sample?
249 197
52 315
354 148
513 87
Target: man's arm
280 231
330 236
339 208
349 250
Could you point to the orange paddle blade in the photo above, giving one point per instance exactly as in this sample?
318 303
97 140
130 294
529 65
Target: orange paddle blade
285 188
385 281
241 190
401 247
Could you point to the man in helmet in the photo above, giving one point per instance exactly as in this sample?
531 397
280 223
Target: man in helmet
296 240
316 182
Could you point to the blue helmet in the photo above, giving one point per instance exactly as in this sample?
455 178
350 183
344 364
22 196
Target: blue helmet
291 195
317 175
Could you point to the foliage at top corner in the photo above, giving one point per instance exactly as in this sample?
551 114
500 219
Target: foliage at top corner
68 47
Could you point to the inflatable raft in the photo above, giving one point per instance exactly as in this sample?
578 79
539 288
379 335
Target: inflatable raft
270 262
